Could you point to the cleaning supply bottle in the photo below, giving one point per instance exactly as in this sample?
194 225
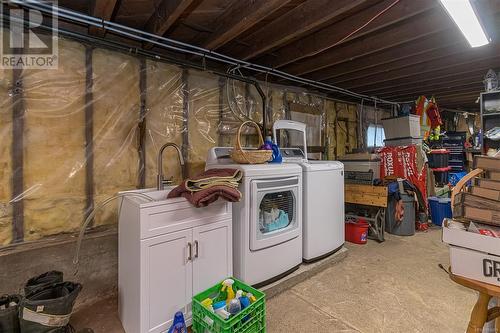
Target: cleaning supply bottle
227 286
251 297
277 158
220 310
234 306
244 300
179 325
207 303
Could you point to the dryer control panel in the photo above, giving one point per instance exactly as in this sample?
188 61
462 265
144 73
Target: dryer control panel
293 155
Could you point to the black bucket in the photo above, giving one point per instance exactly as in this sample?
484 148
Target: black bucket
9 313
48 309
43 280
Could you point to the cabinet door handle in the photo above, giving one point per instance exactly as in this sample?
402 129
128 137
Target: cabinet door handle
190 252
196 249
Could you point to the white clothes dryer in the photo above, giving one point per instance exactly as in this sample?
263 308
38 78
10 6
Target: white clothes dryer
323 196
267 222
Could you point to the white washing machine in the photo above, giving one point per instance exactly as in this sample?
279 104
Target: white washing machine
267 222
323 205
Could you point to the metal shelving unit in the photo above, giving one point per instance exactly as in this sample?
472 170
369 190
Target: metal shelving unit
490 117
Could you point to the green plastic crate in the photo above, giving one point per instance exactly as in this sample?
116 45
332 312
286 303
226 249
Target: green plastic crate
249 320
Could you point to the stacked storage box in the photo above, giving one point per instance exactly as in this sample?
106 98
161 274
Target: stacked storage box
402 131
474 232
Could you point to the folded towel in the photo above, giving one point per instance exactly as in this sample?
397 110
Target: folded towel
214 177
209 186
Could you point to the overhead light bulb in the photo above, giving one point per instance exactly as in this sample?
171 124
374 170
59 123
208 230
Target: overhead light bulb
465 18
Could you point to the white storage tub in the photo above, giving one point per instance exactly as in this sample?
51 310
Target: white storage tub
473 255
402 127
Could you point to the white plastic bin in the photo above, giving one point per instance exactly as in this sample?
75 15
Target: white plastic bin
402 127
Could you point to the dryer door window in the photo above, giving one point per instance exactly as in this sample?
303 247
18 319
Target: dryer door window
274 217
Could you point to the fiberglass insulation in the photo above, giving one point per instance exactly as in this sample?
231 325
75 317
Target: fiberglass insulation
164 119
5 157
54 136
116 110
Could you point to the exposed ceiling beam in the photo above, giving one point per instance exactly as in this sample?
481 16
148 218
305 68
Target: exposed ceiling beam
413 49
433 84
102 9
395 35
461 71
443 53
428 66
165 16
334 34
241 16
472 87
303 19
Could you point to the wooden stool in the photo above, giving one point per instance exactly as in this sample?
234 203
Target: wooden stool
480 313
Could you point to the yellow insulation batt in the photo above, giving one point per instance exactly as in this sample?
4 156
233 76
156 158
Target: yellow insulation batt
116 111
164 119
203 118
54 162
5 156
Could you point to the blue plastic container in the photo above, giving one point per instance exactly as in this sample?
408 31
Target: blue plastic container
440 209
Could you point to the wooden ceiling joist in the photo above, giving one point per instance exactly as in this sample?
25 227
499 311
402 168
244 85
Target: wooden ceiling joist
395 35
240 17
165 16
305 18
334 34
461 71
102 9
425 57
426 66
474 87
415 87
429 90
413 49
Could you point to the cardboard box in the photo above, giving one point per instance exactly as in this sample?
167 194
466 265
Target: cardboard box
487 183
473 255
475 265
486 193
402 127
487 163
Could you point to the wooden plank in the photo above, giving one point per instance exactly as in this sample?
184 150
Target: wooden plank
165 16
395 35
301 20
89 133
240 17
412 50
17 158
102 9
494 175
482 215
334 34
366 195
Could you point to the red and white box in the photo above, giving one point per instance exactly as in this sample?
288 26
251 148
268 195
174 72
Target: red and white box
472 255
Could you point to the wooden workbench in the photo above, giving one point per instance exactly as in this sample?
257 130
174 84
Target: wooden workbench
374 197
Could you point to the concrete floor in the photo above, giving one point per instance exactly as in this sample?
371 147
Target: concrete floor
395 286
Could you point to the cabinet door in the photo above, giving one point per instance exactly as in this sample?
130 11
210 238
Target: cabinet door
212 259
166 280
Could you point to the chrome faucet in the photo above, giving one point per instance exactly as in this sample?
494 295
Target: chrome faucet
161 182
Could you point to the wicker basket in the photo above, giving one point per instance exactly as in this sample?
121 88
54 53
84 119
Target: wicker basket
250 156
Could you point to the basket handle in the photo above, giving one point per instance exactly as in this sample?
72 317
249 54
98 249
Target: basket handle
461 183
248 122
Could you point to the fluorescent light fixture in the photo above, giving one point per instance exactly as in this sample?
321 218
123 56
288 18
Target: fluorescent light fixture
465 17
